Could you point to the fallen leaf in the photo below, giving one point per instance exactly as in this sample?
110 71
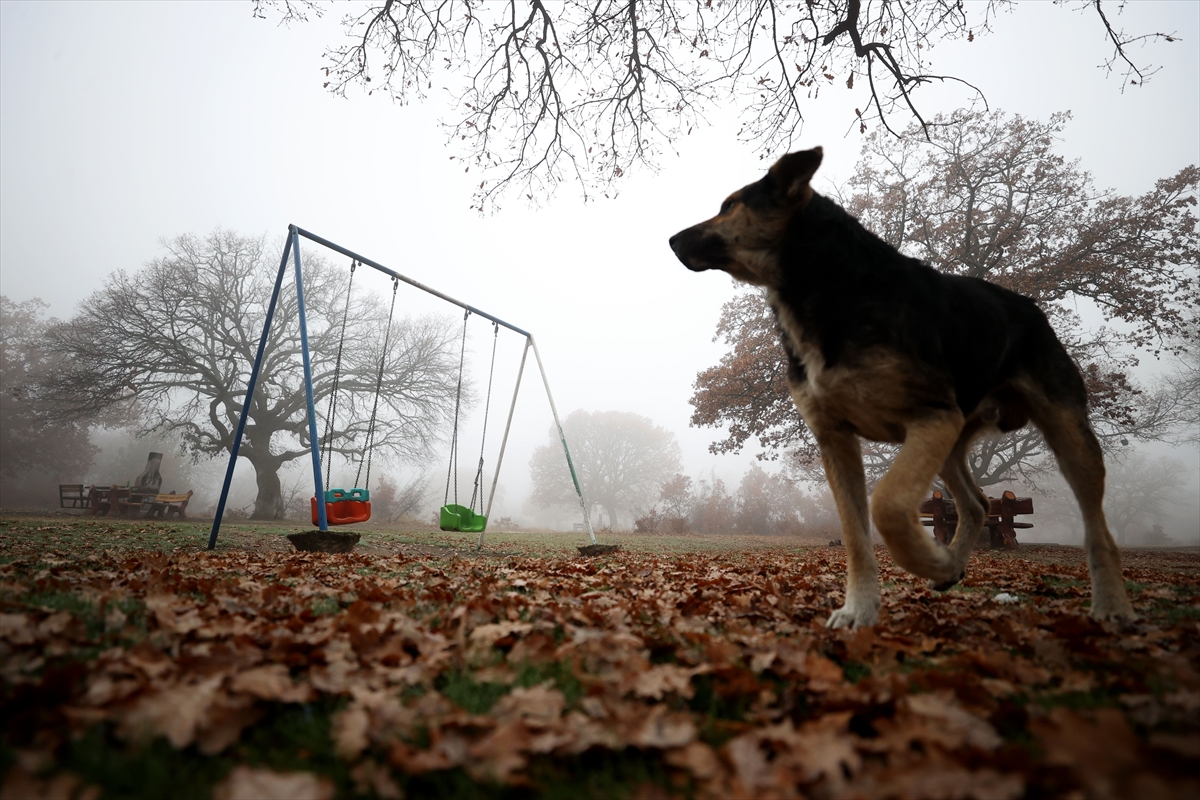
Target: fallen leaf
250 783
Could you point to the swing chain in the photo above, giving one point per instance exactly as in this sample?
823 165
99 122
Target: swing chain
331 409
369 448
451 470
486 406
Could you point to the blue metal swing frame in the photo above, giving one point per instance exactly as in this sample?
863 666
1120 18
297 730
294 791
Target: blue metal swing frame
292 248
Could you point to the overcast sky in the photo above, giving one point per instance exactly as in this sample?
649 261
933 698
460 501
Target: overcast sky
124 123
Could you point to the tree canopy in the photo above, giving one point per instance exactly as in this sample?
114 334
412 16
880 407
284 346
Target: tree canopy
622 460
178 338
987 196
1141 492
586 91
35 452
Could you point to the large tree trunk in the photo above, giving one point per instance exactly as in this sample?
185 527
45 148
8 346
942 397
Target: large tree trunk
269 502
610 509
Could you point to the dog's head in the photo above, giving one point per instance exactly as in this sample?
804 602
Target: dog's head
745 237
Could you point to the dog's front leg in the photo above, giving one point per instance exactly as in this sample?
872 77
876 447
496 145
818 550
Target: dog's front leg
842 458
927 444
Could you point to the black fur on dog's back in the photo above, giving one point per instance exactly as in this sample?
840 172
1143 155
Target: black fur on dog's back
883 347
852 292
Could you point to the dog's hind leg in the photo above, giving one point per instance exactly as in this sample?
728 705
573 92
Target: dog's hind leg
970 502
928 443
1070 436
841 456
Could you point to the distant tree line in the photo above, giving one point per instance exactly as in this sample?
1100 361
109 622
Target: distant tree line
35 452
166 350
764 504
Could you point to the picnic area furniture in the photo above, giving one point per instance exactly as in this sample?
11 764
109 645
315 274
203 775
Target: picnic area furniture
134 502
101 499
72 495
164 505
131 503
940 514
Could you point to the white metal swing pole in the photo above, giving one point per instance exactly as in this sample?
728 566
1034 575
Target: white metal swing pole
562 437
500 459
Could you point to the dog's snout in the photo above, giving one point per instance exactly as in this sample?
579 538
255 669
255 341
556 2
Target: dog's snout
687 244
698 248
675 241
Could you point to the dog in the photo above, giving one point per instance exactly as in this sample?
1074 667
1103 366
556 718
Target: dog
882 346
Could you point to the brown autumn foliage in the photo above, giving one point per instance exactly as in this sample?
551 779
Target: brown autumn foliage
988 197
715 667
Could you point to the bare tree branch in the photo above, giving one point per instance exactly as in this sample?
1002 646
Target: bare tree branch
587 90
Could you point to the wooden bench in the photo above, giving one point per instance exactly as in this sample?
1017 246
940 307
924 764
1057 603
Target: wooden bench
164 505
72 495
940 514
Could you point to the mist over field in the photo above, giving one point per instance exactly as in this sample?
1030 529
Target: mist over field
134 134
382 269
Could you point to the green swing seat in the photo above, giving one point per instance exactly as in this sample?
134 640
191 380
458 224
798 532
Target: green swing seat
461 518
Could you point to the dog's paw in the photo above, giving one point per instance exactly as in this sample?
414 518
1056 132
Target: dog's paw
1116 610
854 616
941 586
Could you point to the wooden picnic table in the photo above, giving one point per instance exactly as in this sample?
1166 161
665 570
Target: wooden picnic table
128 502
940 514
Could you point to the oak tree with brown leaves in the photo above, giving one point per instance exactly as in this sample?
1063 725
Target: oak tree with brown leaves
988 197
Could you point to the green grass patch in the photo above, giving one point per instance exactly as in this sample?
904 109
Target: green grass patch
856 670
87 612
595 775
295 738
970 589
1058 580
325 606
1176 613
560 673
289 738
61 601
598 775
1078 701
473 696
149 770
709 700
477 697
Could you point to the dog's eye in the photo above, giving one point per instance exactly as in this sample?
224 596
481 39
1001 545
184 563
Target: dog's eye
728 204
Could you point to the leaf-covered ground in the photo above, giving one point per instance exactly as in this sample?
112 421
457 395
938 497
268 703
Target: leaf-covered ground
133 663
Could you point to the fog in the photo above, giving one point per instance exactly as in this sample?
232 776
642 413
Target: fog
124 124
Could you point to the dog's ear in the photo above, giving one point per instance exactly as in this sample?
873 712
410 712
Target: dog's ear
792 173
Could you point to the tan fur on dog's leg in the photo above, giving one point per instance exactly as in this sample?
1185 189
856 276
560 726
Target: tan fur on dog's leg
842 458
927 444
1070 436
970 501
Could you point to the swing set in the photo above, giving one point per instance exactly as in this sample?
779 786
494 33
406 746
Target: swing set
338 506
